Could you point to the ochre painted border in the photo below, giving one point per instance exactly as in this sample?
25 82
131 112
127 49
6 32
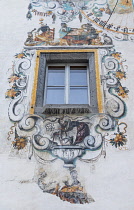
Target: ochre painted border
35 83
98 81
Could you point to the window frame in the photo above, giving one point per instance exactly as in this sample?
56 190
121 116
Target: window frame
40 62
67 80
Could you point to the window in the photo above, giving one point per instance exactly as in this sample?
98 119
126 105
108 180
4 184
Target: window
67 81
67 84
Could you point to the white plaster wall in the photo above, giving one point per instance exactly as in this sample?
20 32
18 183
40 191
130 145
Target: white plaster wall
112 182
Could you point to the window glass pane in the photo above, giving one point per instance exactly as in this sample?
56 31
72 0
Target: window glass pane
56 76
55 95
78 95
78 75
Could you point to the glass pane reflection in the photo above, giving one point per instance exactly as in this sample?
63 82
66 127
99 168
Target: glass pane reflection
55 95
78 75
56 76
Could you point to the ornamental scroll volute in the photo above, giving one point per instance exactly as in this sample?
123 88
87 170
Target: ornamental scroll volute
112 65
66 137
69 137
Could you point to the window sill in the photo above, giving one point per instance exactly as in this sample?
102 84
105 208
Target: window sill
56 109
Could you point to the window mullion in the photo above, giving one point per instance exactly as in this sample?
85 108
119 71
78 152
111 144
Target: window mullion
67 76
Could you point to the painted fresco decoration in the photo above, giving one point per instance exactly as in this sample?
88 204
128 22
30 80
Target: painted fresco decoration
64 10
18 85
19 142
113 64
73 192
119 138
123 6
113 16
86 35
29 15
69 138
115 72
110 15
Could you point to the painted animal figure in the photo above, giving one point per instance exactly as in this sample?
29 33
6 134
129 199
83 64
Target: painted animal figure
56 135
68 125
62 140
107 40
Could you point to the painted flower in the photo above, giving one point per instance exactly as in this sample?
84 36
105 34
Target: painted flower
119 140
20 55
122 91
117 55
19 142
13 78
12 93
120 74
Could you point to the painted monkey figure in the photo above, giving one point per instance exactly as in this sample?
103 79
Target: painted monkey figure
107 39
68 125
82 132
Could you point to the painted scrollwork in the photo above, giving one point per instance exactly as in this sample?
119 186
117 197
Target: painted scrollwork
65 137
123 37
40 143
119 37
131 38
16 109
106 122
110 63
111 80
19 82
28 122
68 138
114 105
22 65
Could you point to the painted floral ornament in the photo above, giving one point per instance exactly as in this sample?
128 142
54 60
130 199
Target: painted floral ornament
119 139
122 91
19 141
120 74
